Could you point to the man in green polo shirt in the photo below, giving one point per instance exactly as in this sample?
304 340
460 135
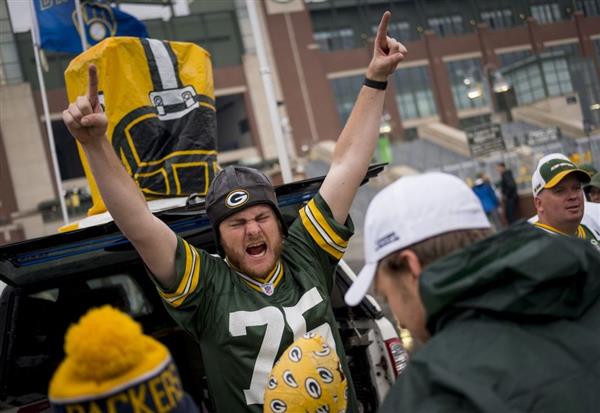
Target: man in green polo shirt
557 185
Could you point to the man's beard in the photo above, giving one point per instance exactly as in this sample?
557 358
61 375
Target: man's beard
238 262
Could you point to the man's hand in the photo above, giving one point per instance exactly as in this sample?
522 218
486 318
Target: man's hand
387 52
84 118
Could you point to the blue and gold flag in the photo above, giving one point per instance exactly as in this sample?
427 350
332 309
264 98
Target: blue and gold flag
58 27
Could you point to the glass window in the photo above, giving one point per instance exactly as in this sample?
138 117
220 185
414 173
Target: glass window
8 51
539 77
551 77
12 73
335 39
134 301
507 59
556 68
553 90
498 19
10 70
119 290
425 102
546 13
446 25
398 30
587 85
470 89
408 109
588 7
414 95
217 32
568 50
362 16
345 90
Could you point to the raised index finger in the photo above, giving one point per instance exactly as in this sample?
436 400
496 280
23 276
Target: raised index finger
93 85
381 39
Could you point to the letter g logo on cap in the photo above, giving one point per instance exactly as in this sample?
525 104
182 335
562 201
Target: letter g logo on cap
236 198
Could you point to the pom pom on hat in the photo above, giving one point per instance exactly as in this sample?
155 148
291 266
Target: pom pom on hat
104 344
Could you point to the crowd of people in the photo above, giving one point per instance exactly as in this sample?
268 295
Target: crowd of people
508 321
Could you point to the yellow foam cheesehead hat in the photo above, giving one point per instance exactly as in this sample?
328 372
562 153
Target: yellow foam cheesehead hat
307 378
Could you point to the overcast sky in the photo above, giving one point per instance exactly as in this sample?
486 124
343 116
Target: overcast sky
21 18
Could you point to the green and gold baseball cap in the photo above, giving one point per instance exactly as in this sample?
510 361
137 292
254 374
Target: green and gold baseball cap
551 169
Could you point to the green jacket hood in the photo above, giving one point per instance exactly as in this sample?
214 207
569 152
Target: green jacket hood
522 273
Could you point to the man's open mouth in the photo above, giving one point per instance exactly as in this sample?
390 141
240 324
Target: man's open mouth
257 249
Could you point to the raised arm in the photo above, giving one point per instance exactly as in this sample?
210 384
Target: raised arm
151 237
356 144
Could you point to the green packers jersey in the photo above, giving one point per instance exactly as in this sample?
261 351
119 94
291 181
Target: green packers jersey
590 235
583 232
244 324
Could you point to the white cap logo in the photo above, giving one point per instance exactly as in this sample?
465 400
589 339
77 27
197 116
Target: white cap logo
313 388
289 379
295 354
326 375
278 406
236 198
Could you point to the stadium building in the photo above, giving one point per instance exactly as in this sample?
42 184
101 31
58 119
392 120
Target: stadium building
469 63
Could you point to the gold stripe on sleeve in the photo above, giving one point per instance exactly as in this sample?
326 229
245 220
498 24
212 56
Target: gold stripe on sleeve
318 238
322 221
186 273
195 278
189 281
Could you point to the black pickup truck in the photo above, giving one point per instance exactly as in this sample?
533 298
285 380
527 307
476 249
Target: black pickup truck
48 283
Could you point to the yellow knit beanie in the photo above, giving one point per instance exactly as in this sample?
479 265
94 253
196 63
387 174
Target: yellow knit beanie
111 366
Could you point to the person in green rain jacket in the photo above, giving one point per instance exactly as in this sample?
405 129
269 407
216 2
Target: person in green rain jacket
510 323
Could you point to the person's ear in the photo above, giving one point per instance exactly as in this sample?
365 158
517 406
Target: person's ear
537 202
412 262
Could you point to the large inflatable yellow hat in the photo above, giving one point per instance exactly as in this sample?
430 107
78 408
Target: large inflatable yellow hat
111 366
307 378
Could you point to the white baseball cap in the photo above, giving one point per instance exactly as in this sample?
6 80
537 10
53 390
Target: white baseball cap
413 209
551 169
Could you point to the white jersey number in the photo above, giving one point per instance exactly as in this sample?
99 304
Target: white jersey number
275 321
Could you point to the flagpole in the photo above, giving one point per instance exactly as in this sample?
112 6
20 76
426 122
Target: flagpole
57 178
267 80
82 35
